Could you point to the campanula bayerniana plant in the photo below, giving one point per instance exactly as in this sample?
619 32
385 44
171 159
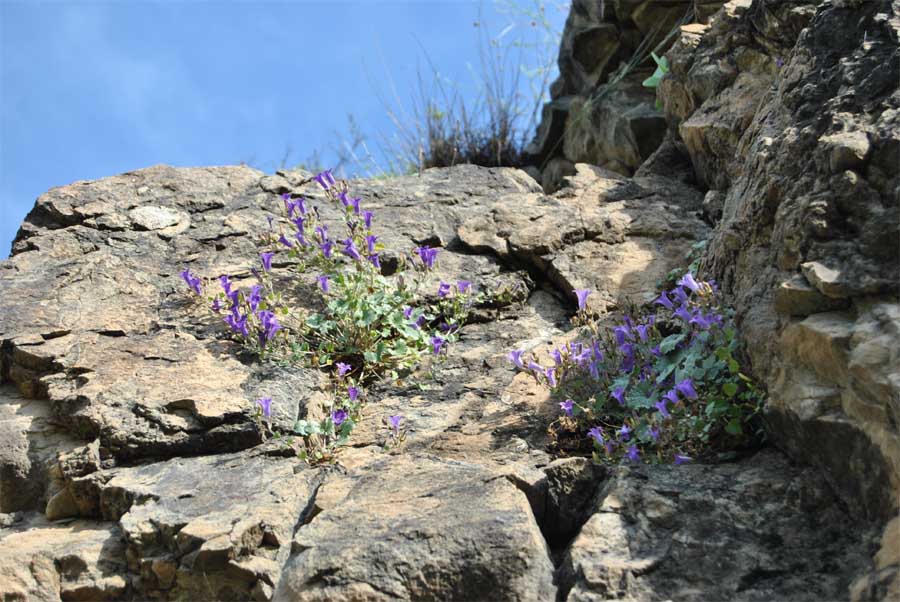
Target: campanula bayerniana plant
661 386
371 326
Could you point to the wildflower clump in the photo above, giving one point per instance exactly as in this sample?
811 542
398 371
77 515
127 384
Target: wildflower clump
370 326
662 385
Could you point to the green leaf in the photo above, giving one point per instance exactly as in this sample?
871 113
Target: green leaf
662 67
734 427
730 389
669 343
733 366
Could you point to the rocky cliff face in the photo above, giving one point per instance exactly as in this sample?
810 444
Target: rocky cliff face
132 466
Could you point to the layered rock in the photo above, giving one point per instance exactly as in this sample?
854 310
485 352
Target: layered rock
788 112
599 111
135 468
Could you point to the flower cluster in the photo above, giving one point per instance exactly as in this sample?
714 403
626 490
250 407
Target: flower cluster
372 326
662 386
246 312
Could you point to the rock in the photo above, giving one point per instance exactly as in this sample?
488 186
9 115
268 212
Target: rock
416 535
795 297
80 560
846 150
712 132
185 535
765 530
620 125
156 218
29 442
555 173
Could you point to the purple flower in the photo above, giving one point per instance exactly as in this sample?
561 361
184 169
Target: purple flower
661 406
226 284
350 250
624 433
427 255
680 295
395 423
779 62
355 204
270 325
285 242
325 179
633 454
343 368
582 295
654 433
656 351
437 343
679 459
556 354
672 396
596 434
619 395
622 332
683 313
550 373
192 281
285 196
238 323
443 289
301 205
266 259
642 331
370 242
595 350
322 232
326 249
353 393
373 259
535 367
688 281
566 406
255 297
301 239
338 417
664 300
265 404
367 218
463 285
407 312
323 283
515 356
686 388
216 305
300 223
704 322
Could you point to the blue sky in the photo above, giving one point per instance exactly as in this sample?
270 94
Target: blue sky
92 89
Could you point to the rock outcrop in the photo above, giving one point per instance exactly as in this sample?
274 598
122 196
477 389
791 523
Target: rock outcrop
133 465
599 111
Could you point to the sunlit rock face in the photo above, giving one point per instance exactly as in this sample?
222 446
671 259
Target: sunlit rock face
133 465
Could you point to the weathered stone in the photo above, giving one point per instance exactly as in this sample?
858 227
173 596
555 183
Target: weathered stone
619 124
764 530
846 150
29 442
44 561
416 535
795 297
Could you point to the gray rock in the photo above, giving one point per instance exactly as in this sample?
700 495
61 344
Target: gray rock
760 530
407 529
